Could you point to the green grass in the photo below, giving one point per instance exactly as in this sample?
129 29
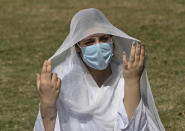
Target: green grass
31 31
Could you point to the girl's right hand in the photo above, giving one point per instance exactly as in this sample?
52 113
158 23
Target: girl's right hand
48 85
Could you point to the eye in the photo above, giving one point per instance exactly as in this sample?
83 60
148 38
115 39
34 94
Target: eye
88 42
105 38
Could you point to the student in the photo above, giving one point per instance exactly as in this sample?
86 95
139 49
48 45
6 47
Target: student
96 81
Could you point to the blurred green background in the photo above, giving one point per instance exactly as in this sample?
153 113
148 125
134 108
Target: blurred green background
31 31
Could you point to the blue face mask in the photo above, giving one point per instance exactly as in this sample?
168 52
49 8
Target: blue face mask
97 56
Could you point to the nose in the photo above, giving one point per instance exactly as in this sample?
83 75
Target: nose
96 41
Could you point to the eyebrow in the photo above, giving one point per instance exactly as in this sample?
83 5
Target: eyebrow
105 36
90 39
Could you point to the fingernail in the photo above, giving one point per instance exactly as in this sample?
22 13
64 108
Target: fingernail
124 53
134 43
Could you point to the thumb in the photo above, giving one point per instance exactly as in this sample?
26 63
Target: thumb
58 83
38 82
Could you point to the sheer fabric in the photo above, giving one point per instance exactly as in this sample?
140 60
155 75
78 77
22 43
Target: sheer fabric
82 105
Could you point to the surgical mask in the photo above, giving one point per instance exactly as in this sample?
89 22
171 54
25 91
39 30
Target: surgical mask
97 56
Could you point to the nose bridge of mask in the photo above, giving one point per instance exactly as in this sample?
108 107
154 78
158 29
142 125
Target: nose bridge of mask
96 45
96 48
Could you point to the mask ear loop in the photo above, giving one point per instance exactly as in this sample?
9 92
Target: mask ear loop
78 45
113 43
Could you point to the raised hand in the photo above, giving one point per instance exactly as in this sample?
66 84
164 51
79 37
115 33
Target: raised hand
48 85
132 73
134 68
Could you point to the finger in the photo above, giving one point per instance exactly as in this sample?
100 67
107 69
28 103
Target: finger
54 79
132 53
137 53
49 67
44 67
38 81
142 55
125 63
58 83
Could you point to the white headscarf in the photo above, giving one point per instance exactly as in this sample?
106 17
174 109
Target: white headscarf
82 105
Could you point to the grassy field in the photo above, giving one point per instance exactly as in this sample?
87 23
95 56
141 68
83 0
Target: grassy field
31 31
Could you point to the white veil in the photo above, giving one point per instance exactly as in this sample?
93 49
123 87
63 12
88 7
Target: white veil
81 102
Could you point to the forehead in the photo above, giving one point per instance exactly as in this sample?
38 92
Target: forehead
93 35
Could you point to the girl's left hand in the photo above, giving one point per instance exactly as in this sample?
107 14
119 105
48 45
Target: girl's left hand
134 68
